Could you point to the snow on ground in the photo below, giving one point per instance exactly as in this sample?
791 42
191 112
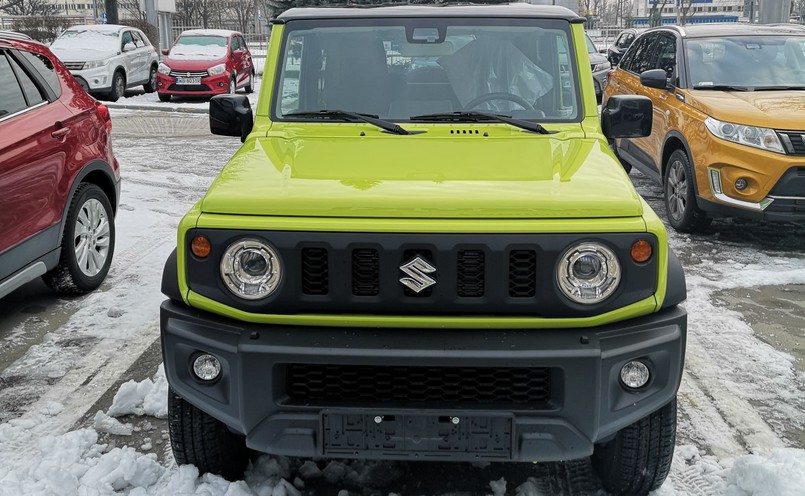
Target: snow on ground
738 398
150 101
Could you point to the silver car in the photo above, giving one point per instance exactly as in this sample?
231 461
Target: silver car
600 67
108 58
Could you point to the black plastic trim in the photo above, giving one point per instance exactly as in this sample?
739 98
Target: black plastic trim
170 278
676 290
92 166
28 251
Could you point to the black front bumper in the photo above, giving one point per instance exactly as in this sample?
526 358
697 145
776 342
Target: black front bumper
586 403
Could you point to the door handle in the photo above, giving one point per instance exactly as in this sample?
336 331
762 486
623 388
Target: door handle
60 133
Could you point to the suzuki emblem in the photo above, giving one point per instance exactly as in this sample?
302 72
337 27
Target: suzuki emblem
417 270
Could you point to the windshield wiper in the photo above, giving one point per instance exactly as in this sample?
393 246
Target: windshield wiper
723 87
480 117
343 115
780 88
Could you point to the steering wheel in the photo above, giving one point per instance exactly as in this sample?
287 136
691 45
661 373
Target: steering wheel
499 96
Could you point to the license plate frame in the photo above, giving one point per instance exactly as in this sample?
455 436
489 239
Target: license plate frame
477 436
188 81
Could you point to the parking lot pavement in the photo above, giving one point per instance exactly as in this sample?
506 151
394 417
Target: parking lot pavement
137 99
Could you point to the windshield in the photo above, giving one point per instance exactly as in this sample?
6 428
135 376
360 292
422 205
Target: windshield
198 46
590 45
752 61
87 39
399 68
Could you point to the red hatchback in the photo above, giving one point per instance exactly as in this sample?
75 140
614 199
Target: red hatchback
59 180
205 62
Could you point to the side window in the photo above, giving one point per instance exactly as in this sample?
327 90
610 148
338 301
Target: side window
11 99
665 57
138 39
127 38
142 35
44 67
641 54
242 43
33 94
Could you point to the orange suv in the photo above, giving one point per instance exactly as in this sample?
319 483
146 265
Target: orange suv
728 134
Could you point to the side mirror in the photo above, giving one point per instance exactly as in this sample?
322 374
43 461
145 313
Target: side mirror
129 47
165 51
655 78
627 117
231 115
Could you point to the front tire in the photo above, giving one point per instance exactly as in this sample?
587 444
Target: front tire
250 86
680 195
233 87
151 85
118 86
88 243
639 458
164 97
199 439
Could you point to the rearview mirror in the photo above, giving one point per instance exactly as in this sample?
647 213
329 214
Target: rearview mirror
231 115
655 78
627 117
129 47
165 51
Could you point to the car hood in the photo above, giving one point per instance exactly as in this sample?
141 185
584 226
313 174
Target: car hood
192 62
424 176
772 109
82 54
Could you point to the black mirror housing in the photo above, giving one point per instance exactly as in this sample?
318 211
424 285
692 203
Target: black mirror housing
627 117
655 78
231 115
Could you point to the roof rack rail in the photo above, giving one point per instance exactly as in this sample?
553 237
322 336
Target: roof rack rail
13 35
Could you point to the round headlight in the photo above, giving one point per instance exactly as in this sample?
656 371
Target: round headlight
588 273
251 269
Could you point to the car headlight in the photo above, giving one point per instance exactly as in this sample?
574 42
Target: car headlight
92 64
759 137
251 269
588 273
217 69
163 69
602 66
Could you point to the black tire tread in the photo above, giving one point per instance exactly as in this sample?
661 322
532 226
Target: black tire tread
113 96
201 440
147 87
638 460
696 220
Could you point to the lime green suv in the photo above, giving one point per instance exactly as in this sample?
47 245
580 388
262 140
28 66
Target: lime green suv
425 250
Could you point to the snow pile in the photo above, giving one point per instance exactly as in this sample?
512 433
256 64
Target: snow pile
105 423
146 397
780 474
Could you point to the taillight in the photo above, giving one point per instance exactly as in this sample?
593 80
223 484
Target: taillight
103 113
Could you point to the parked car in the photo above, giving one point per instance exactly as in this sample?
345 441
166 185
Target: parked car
107 58
600 67
206 62
621 44
728 135
59 180
394 267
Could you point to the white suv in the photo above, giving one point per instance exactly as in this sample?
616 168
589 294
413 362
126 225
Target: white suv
107 58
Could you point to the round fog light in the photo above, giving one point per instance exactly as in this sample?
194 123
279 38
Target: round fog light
741 184
635 375
206 367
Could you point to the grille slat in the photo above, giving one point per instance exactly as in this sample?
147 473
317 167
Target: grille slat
361 383
189 73
74 66
794 143
315 271
522 274
365 272
470 269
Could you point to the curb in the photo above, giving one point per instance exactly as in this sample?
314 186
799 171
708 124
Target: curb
136 106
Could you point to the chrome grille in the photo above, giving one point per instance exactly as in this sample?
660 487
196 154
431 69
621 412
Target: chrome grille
794 142
74 66
174 73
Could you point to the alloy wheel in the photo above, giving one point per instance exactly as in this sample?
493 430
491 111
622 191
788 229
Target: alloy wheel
677 189
92 236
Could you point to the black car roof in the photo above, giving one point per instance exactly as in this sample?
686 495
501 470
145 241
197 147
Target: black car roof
504 10
708 30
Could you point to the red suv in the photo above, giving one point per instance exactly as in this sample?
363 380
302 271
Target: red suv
59 180
205 62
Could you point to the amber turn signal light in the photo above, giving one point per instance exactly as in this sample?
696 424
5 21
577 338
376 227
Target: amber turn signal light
200 246
641 251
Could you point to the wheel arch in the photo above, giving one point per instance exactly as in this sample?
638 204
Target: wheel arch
675 141
100 174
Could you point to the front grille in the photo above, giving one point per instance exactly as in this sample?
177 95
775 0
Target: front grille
365 272
74 66
470 269
315 271
522 273
794 143
189 87
372 384
188 73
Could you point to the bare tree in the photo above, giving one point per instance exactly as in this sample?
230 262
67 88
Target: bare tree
32 8
242 12
655 14
685 11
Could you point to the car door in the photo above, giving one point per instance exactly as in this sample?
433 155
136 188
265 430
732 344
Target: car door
667 108
133 73
144 51
35 142
247 58
237 60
